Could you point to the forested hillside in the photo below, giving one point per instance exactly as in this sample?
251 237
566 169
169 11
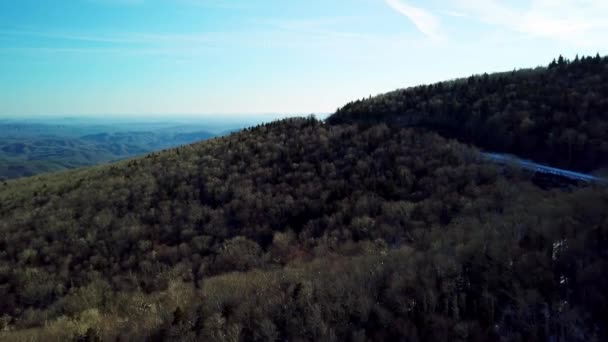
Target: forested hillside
556 115
299 230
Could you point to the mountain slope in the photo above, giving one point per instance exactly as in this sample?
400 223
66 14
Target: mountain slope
557 115
298 230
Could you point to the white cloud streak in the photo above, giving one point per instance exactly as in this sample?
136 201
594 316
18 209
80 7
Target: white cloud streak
424 21
315 35
118 2
576 22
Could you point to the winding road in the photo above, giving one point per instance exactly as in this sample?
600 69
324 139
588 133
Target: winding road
534 167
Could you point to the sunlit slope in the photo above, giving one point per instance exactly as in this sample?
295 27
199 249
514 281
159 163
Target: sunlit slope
338 231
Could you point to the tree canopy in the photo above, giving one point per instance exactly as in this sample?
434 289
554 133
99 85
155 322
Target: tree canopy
557 115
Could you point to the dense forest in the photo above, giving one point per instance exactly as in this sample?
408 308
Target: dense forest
298 230
354 229
557 115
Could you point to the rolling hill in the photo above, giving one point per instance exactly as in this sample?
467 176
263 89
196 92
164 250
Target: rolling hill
556 114
354 229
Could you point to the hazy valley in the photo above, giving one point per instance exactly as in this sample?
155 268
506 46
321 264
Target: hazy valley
33 146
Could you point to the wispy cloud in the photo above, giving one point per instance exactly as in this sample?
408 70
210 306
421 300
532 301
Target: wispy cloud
576 22
324 35
68 36
455 14
426 22
223 4
118 2
123 43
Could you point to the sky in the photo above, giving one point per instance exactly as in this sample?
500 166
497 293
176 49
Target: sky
228 57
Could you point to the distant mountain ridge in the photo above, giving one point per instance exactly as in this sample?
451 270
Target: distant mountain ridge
30 149
31 146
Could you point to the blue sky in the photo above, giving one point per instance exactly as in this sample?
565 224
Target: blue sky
188 57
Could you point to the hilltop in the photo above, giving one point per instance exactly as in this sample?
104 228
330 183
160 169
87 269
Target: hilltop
556 114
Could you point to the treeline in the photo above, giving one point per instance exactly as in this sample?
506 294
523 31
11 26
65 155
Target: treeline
298 230
557 114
